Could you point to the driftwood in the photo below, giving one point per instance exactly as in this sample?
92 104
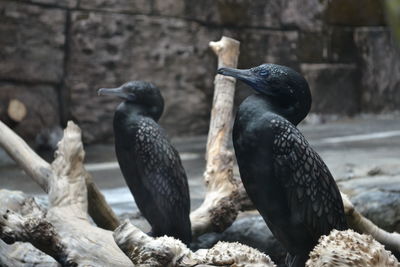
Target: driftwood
362 225
64 230
65 233
224 193
167 251
42 173
20 254
350 249
24 254
16 110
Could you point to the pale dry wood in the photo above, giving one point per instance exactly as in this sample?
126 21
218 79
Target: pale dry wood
221 205
362 225
225 196
33 165
16 110
101 213
350 249
166 251
24 254
41 172
63 231
19 253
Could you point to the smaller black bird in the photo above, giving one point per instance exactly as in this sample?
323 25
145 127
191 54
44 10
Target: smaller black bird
151 166
285 178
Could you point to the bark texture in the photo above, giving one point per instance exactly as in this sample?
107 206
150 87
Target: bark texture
63 231
166 251
221 205
43 173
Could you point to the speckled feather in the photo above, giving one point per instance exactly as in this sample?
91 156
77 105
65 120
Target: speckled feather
162 172
149 163
154 173
284 177
311 190
162 169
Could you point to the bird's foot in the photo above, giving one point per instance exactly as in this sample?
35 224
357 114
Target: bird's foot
297 260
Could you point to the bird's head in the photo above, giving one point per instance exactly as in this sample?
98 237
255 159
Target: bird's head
139 92
285 87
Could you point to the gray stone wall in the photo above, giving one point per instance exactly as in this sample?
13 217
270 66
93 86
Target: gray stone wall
55 54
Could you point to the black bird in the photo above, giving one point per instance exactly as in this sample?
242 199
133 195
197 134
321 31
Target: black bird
285 178
150 165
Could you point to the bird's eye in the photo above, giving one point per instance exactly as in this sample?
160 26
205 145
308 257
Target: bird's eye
263 72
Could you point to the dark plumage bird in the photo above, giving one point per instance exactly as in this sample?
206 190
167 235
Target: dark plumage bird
284 177
150 164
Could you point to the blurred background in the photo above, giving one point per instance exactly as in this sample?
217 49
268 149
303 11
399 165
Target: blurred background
55 54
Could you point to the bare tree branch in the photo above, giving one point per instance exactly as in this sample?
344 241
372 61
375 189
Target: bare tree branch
221 205
64 231
42 173
163 251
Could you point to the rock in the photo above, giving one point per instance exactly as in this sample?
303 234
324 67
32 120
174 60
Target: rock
41 104
356 186
205 241
250 230
122 48
260 46
392 12
56 3
137 6
376 195
380 206
253 231
306 15
380 67
329 84
174 8
224 12
342 45
46 142
333 45
33 49
313 47
354 12
80 46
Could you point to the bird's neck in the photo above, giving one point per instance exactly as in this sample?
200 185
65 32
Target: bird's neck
293 112
127 110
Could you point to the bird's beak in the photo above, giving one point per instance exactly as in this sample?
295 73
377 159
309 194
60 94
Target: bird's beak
245 76
112 91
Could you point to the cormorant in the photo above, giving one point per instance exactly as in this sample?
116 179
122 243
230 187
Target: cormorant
149 163
285 178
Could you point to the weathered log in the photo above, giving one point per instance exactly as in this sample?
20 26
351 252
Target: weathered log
144 250
221 205
24 254
21 254
362 225
16 110
348 249
42 173
64 231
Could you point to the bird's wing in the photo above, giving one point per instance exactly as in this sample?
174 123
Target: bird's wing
162 170
311 190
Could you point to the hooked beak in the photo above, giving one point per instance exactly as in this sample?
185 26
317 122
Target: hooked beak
113 92
245 76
